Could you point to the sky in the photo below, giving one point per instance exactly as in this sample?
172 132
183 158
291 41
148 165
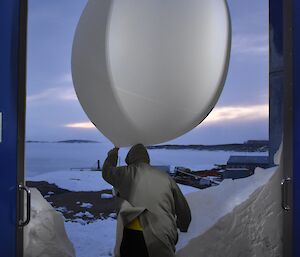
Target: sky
54 112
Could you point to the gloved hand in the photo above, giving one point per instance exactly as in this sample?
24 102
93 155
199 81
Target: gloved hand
114 151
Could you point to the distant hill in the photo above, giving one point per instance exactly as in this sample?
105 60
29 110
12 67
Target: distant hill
248 146
72 141
259 146
36 141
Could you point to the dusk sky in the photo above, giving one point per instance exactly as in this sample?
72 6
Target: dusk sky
54 113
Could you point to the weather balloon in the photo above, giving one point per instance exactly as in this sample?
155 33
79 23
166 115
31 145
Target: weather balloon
148 71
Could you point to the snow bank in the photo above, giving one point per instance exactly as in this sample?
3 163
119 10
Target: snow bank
187 189
74 180
277 155
238 218
45 235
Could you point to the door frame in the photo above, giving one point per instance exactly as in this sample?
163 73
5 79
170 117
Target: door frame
21 113
288 128
13 85
294 66
288 25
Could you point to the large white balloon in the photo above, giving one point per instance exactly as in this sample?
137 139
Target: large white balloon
148 71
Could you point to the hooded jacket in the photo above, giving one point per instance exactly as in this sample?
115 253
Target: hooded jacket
150 194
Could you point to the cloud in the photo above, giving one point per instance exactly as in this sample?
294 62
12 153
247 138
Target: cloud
237 114
82 125
217 116
66 78
51 94
250 44
60 88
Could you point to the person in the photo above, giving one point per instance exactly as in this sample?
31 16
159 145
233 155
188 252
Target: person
152 208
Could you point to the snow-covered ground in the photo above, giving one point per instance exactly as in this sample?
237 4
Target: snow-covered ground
209 205
84 181
52 163
94 239
74 180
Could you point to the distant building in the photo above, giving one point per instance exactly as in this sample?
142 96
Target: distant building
236 173
248 162
257 142
207 173
165 168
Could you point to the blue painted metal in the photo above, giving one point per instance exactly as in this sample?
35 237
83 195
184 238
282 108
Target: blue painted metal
9 59
276 34
296 117
276 77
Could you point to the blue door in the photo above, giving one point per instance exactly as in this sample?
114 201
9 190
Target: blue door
296 117
12 110
286 23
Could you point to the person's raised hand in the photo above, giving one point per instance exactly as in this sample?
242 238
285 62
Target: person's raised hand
115 150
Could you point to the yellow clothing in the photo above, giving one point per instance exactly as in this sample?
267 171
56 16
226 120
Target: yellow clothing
134 225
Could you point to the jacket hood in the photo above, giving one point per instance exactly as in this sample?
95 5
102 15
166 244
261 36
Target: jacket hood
137 153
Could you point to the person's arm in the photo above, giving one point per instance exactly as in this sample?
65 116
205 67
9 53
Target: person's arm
182 209
110 172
